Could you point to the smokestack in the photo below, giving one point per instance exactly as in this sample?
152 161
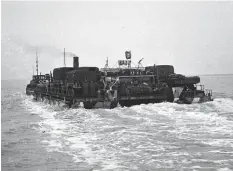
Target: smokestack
76 62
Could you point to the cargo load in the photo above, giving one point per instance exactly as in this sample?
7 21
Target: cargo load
82 75
60 73
163 70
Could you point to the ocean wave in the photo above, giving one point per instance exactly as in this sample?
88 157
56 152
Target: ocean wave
144 136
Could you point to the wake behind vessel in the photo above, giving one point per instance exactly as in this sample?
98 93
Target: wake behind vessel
124 85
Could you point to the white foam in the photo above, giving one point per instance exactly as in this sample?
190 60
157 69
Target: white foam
224 105
225 169
129 137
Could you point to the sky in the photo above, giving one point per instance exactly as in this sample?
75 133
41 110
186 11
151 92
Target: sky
195 37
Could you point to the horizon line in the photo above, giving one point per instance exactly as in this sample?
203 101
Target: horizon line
185 75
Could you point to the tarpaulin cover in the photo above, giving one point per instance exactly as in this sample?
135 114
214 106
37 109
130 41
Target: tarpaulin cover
82 75
60 73
163 70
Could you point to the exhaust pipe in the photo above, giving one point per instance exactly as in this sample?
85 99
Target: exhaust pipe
76 62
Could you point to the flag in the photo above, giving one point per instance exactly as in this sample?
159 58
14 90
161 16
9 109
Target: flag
128 54
123 62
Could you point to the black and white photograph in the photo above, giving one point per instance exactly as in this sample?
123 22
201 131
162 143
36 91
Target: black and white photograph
116 85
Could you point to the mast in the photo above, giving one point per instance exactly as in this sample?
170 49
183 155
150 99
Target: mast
64 58
128 58
139 63
106 65
157 71
36 64
129 63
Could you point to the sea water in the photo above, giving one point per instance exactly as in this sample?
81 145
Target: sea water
163 136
